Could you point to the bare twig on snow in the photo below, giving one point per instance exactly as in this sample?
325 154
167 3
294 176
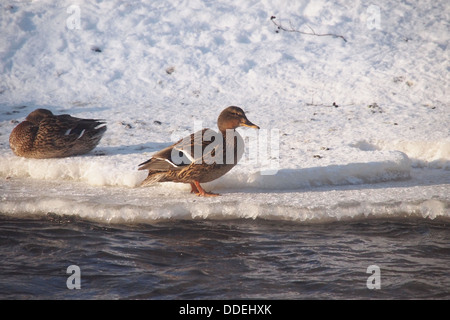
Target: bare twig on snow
312 33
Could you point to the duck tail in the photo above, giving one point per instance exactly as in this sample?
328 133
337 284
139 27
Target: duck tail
153 177
100 130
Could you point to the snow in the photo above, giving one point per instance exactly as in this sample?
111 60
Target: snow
337 118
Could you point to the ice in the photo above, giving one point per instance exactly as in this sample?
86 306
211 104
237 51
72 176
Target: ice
360 127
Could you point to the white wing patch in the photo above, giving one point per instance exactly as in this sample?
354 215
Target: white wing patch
170 162
69 131
81 134
181 157
186 153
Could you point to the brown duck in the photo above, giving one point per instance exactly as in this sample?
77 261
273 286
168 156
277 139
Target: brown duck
203 156
45 135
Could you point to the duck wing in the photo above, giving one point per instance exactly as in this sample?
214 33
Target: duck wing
66 136
199 147
76 128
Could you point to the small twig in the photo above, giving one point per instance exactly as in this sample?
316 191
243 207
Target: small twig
328 105
311 29
312 33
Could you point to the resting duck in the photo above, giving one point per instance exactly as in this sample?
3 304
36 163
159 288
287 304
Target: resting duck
203 156
45 135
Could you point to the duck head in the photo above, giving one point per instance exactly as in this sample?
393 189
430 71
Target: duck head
233 117
37 115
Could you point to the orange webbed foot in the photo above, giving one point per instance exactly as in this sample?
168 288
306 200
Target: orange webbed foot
199 191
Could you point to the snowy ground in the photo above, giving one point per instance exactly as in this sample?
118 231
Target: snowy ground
361 126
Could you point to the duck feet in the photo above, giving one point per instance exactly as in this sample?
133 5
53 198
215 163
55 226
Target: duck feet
199 191
194 188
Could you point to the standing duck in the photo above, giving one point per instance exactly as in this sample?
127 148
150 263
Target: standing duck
203 156
45 135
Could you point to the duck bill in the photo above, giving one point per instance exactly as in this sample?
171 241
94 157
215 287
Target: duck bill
249 124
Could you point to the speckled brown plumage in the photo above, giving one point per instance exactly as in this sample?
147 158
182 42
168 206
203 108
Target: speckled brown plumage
203 156
45 135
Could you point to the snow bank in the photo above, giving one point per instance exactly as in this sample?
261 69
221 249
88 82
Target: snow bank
150 205
122 171
431 154
94 170
388 167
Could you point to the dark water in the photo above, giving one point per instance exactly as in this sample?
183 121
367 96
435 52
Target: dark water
224 259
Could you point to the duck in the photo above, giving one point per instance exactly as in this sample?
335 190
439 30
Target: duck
43 135
201 157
